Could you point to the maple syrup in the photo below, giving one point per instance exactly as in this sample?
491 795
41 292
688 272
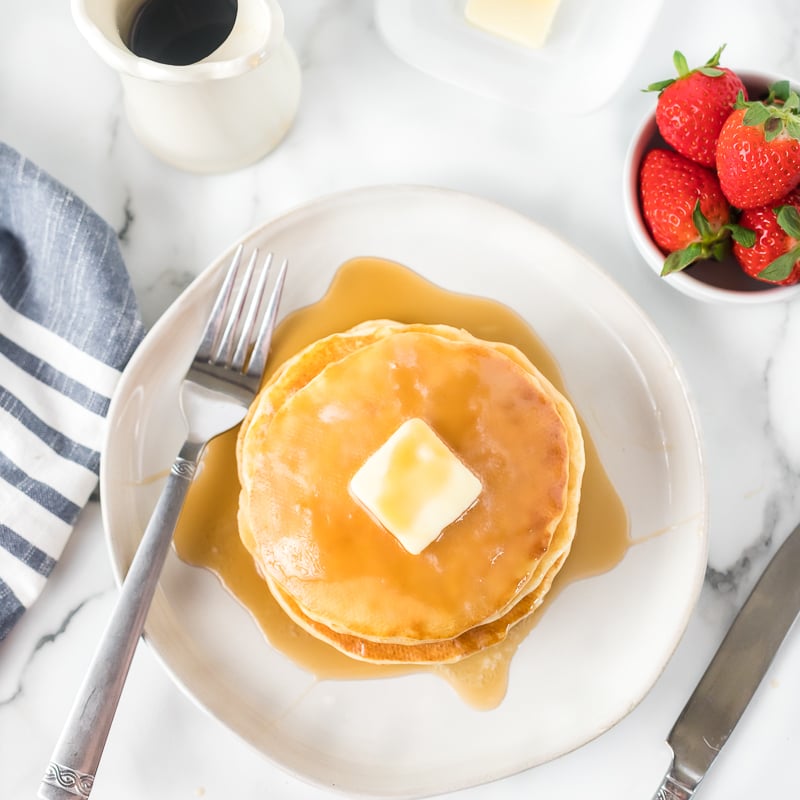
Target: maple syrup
207 534
180 32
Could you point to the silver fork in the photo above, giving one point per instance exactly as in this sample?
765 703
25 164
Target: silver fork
215 394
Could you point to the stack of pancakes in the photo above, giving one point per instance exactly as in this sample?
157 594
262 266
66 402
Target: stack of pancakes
333 568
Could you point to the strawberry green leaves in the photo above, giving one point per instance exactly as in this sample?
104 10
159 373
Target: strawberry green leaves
779 270
709 69
713 243
778 112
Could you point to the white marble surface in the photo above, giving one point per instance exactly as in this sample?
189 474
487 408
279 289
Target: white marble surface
367 118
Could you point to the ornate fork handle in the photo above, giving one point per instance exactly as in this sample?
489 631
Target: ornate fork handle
74 762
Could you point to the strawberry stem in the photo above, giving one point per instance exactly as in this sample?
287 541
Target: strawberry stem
778 112
710 69
778 93
713 244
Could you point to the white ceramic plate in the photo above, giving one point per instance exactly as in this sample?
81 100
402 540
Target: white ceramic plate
590 49
602 643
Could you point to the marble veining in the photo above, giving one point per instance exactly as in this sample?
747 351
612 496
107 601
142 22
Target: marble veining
129 219
38 649
368 118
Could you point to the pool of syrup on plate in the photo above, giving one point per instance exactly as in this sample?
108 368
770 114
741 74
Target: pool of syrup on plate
372 288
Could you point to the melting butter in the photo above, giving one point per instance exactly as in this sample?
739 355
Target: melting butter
414 485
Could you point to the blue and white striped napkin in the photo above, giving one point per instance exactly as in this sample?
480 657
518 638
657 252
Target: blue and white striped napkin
68 324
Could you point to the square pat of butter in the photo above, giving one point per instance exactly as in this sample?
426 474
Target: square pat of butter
414 485
526 22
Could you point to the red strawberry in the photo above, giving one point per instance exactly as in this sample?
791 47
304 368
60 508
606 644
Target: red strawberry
693 107
758 150
775 256
685 210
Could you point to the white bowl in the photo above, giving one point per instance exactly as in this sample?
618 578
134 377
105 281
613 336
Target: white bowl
712 281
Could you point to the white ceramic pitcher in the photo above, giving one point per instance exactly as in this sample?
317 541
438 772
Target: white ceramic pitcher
220 113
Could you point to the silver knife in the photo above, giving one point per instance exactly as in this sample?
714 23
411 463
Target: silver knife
734 673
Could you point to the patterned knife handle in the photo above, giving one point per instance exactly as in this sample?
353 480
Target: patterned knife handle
674 787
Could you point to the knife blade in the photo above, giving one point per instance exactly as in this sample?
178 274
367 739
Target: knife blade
734 673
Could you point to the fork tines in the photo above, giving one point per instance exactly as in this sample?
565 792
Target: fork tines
242 344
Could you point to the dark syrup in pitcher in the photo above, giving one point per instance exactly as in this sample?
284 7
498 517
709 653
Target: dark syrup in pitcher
180 32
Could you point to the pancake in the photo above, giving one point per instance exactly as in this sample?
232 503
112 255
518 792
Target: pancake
445 651
338 572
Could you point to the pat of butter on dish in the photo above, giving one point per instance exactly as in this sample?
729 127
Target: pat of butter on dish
526 22
415 486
